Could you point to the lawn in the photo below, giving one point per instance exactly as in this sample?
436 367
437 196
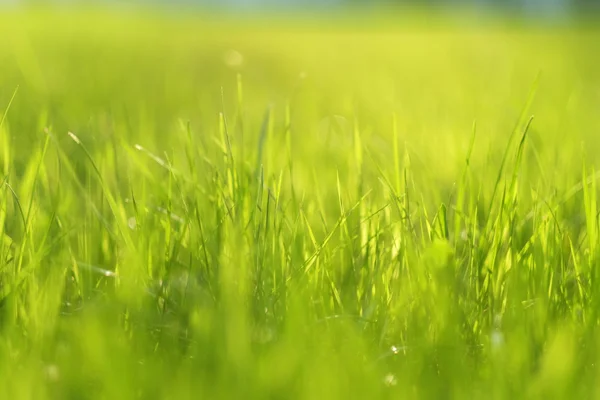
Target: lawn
342 207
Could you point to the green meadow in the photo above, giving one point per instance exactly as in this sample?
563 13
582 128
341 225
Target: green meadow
195 206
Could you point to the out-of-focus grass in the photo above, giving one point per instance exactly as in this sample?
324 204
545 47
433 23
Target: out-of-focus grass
225 209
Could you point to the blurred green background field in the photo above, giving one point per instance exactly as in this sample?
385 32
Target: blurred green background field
400 207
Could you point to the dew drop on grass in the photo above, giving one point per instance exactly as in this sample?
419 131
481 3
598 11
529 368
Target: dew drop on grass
464 235
390 380
497 339
74 137
233 58
52 372
132 223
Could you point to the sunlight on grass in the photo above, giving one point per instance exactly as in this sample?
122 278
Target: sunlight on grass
221 209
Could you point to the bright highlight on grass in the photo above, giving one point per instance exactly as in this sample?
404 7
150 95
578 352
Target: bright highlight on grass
191 209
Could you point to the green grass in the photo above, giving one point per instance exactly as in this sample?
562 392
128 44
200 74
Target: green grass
201 209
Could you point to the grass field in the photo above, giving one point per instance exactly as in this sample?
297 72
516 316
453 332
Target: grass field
301 209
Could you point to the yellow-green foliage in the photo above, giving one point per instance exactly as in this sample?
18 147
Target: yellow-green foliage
193 206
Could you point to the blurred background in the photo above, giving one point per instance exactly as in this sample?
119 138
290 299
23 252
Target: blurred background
540 7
